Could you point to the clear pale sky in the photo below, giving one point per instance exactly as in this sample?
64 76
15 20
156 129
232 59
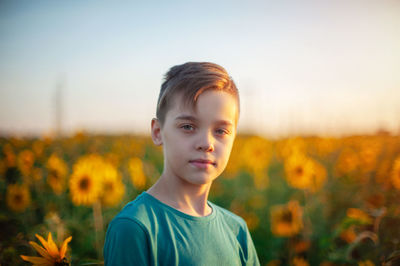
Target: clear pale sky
320 66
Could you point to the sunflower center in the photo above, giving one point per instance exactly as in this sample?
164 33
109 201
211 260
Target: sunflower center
299 170
54 174
64 262
287 217
18 198
84 183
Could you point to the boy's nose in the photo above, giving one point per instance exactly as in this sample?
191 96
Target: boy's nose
208 148
205 144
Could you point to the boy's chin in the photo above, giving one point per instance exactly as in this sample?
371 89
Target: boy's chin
200 180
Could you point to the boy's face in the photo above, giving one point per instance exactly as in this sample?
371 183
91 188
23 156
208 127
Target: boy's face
197 143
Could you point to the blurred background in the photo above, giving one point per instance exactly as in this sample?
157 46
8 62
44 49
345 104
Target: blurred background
315 169
302 67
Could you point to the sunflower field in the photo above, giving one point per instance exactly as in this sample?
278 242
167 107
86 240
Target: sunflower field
306 200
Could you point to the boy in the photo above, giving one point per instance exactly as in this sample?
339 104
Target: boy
173 223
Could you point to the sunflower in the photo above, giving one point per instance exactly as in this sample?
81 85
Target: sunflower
57 172
324 146
86 180
299 261
113 188
318 177
138 178
366 263
359 215
347 162
256 153
369 153
302 246
286 220
26 158
113 158
51 255
299 171
10 158
349 234
274 263
18 197
395 176
38 148
287 147
113 191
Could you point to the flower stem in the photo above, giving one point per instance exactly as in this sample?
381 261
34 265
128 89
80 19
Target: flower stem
98 226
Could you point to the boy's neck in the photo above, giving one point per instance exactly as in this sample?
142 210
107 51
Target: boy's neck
185 197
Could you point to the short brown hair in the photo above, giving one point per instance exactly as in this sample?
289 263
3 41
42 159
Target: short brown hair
191 80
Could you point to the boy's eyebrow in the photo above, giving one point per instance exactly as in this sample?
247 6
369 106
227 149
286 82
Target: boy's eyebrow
192 118
224 122
186 117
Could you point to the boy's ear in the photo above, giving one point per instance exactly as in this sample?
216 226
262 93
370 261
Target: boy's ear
156 132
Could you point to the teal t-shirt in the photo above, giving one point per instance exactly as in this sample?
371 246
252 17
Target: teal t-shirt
149 232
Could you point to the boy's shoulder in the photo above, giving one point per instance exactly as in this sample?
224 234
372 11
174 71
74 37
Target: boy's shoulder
138 210
228 215
232 219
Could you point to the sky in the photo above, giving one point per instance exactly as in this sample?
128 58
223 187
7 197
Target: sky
302 67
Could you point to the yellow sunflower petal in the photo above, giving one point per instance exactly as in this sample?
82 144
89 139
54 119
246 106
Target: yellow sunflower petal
37 260
43 241
41 250
64 246
53 250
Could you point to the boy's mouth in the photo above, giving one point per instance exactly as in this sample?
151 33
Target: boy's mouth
202 163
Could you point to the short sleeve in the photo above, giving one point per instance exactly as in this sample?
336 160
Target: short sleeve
252 258
249 255
126 243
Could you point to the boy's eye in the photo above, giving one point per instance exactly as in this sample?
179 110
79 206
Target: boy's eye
222 131
188 127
